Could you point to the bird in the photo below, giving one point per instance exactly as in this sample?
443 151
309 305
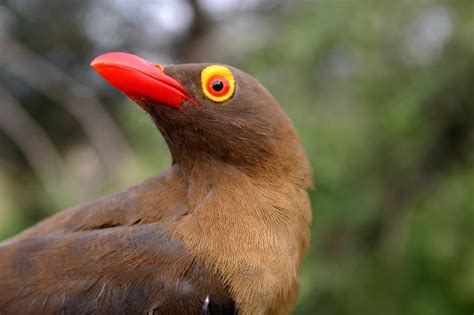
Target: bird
223 231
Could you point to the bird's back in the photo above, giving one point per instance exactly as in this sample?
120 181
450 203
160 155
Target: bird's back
115 255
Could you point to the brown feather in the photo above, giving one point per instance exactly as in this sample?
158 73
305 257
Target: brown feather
230 219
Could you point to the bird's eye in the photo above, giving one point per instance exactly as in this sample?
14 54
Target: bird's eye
217 83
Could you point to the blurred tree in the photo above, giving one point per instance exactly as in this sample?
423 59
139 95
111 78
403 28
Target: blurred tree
380 92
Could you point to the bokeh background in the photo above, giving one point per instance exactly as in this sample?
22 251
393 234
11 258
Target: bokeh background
381 93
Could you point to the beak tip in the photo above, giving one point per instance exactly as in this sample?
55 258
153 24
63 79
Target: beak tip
97 61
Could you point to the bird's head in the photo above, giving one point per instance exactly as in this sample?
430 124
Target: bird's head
207 111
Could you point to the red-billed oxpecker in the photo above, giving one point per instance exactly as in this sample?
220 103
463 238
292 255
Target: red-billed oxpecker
223 231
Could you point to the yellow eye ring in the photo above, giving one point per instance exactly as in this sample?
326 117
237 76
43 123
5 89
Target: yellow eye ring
217 83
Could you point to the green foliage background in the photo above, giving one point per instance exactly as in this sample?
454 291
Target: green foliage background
381 93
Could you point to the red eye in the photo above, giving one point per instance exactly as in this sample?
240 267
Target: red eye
218 85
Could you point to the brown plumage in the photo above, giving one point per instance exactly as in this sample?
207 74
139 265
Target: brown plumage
229 220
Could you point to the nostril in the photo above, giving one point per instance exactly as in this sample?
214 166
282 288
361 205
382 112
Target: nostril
162 69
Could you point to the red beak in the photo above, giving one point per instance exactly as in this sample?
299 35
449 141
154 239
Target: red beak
140 79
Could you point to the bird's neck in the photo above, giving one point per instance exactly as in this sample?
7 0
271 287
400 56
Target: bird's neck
253 230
